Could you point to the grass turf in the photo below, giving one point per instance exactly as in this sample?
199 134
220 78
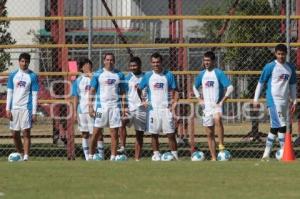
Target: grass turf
146 179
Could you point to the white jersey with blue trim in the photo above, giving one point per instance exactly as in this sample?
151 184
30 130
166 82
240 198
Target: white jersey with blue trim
24 87
278 78
158 87
80 88
213 84
132 83
108 85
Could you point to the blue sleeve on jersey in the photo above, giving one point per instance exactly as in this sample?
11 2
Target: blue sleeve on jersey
94 81
198 80
122 84
266 73
34 82
171 81
74 89
10 82
127 78
293 78
222 78
145 81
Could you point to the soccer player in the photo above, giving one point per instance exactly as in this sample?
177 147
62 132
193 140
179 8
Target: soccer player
160 83
280 77
213 82
136 113
80 91
21 103
107 85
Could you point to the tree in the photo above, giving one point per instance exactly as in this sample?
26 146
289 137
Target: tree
243 31
5 37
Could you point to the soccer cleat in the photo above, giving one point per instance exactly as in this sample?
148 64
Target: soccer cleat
265 159
121 149
266 156
156 158
25 158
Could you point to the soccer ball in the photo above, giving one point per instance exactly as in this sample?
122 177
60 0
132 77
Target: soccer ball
224 156
14 157
167 157
198 156
121 157
97 157
279 154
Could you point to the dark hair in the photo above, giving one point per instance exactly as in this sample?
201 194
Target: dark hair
281 47
156 56
25 56
211 55
108 54
85 61
137 60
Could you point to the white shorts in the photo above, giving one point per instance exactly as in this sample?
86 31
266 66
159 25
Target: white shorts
108 117
21 119
209 114
137 118
85 123
160 120
279 116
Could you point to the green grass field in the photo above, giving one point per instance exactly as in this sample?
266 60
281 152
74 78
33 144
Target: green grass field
146 179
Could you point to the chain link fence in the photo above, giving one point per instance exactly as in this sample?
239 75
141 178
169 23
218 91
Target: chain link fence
55 135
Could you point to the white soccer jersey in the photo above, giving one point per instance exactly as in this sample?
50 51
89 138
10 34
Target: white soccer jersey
22 88
80 89
278 78
158 88
132 82
108 85
213 84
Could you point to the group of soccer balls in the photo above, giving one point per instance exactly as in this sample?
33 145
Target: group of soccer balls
222 156
196 156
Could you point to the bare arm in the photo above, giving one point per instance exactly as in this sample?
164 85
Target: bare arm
75 101
8 103
228 92
91 102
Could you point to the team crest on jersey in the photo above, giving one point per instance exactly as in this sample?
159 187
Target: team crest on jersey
158 85
209 84
21 84
284 77
110 81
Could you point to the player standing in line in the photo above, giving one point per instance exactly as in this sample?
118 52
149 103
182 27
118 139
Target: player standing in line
21 103
160 83
213 82
280 77
107 86
80 91
136 112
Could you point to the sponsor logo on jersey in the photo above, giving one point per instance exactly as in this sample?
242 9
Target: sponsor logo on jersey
110 81
21 84
284 77
158 85
209 84
87 88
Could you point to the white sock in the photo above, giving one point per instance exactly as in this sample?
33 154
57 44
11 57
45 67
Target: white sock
281 139
156 153
100 147
269 143
175 154
90 157
85 147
